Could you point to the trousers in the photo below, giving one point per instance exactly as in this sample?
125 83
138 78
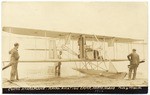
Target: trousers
133 68
14 71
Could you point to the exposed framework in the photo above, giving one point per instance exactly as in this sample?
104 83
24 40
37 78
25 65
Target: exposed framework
72 36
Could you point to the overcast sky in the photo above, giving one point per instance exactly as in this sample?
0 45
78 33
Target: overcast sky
110 19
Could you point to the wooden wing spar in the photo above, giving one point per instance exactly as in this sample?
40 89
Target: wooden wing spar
71 60
57 34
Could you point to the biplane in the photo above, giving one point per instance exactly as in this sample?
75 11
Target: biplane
90 56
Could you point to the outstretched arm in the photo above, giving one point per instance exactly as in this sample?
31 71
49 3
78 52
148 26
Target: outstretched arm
10 51
129 57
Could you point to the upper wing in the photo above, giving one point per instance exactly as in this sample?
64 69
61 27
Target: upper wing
57 34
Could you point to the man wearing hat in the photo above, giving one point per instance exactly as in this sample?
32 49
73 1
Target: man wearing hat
14 62
134 62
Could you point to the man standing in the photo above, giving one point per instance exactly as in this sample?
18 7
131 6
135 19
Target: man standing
58 65
14 62
134 62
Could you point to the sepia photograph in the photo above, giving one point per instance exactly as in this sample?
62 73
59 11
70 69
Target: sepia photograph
74 47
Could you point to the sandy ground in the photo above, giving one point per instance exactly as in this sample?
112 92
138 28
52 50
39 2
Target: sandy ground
41 75
84 81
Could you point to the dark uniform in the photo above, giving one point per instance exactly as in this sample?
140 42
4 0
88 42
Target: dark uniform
134 62
14 64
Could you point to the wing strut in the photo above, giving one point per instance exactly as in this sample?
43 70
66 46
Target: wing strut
68 39
97 40
65 47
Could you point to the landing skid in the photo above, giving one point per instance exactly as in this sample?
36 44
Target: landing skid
90 68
